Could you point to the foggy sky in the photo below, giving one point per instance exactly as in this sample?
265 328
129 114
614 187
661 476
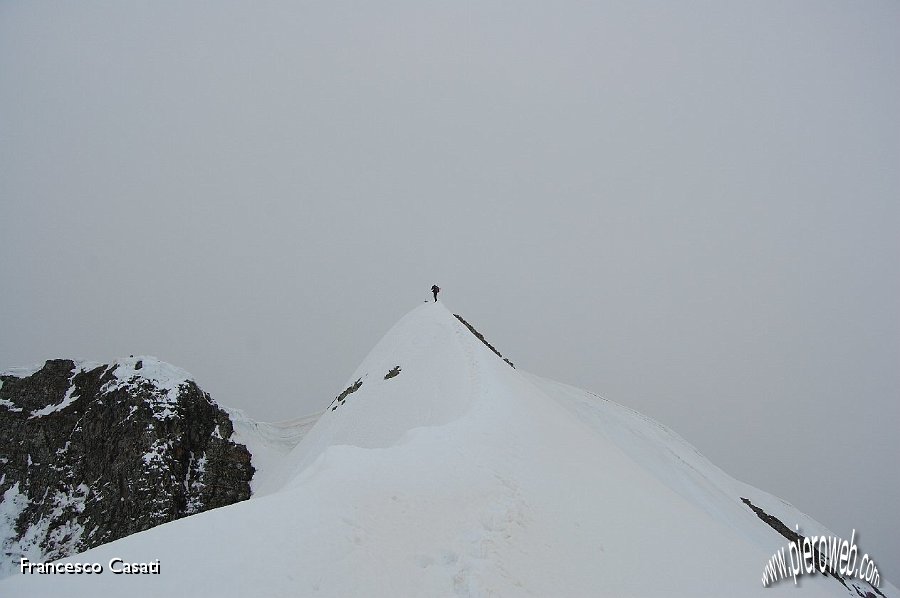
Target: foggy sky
689 208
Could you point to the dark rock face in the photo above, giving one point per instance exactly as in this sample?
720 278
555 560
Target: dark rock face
776 524
339 400
89 454
480 337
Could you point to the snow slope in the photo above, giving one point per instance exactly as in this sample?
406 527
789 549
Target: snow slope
462 476
269 443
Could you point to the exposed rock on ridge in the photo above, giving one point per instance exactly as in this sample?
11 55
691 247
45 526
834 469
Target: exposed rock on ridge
480 337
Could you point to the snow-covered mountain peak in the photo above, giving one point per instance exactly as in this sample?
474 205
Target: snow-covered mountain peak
439 470
419 375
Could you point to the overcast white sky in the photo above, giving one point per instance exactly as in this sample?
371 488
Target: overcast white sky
692 208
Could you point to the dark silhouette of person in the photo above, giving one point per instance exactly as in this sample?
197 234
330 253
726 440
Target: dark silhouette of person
435 289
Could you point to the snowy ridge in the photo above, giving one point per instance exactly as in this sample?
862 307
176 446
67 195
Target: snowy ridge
433 388
677 463
461 476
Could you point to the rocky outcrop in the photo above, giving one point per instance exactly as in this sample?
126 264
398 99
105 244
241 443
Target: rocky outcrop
480 337
864 591
339 400
95 452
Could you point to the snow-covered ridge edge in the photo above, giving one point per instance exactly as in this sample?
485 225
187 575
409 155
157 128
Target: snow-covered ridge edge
767 520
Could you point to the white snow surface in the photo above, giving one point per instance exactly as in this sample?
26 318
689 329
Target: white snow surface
268 443
461 477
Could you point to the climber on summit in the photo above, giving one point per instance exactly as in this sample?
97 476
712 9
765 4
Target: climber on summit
435 289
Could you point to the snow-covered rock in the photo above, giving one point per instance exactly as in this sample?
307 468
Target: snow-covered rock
94 452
